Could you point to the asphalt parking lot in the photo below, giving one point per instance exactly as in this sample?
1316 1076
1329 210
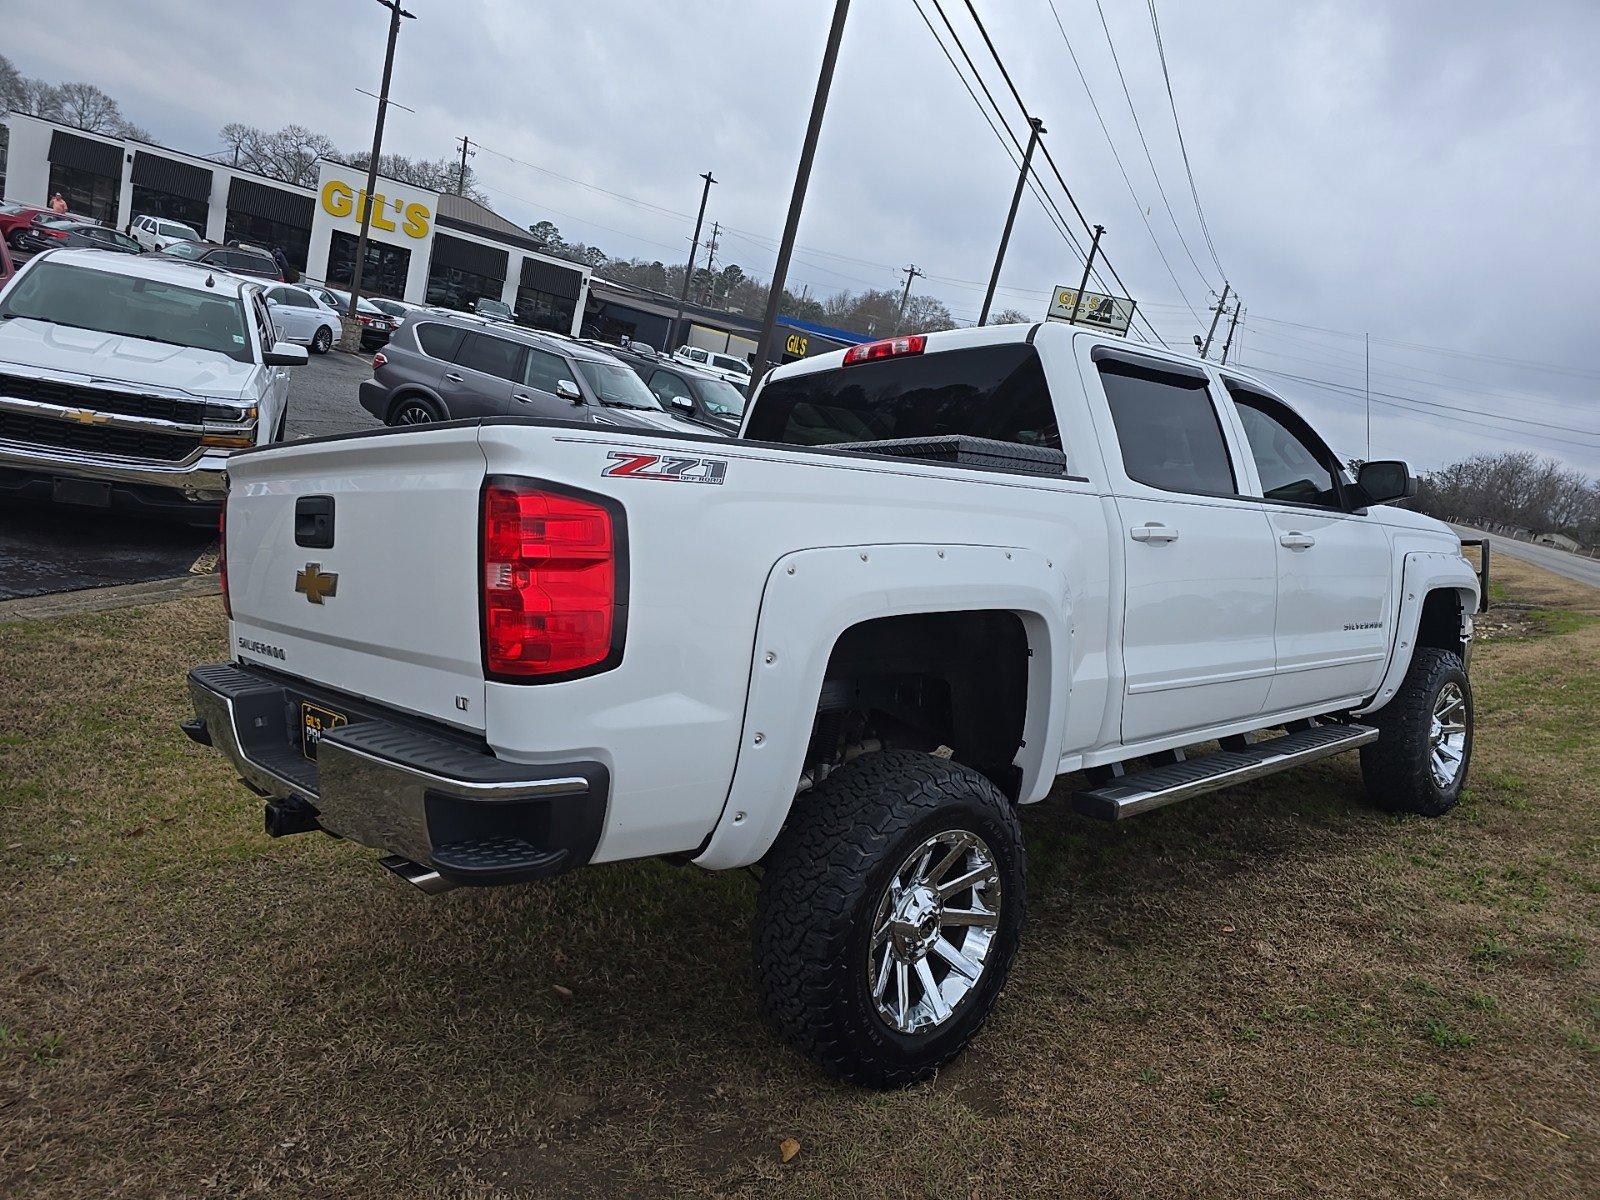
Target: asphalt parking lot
46 548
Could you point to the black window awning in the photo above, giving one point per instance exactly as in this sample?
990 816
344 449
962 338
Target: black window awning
86 154
551 279
469 256
171 176
254 199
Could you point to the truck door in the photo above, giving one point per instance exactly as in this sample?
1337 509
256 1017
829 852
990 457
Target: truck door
1333 565
1197 641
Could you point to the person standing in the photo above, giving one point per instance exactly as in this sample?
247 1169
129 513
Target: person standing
58 203
283 264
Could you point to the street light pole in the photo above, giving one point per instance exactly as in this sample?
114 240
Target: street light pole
802 176
1037 127
350 334
688 271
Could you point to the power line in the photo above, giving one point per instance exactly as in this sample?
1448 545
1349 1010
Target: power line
1148 157
1161 53
1111 142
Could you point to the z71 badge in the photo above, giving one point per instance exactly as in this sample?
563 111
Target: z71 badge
666 466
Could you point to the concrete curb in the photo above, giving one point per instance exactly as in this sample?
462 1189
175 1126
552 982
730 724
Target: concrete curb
89 600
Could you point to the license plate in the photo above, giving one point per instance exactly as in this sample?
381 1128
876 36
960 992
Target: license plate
315 720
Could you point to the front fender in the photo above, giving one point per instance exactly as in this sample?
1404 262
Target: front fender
1424 571
812 596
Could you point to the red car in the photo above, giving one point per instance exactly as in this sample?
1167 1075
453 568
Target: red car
15 215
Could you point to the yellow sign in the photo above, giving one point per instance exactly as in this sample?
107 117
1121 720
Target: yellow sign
797 344
340 200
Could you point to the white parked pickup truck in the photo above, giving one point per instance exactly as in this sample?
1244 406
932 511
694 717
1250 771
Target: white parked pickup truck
934 574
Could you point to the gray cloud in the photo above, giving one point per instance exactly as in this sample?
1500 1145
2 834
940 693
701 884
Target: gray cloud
1425 171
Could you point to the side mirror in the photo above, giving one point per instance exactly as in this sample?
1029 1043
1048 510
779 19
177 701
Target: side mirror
568 390
286 354
682 404
1386 480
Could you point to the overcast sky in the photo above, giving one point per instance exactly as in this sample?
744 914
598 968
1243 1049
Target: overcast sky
1426 172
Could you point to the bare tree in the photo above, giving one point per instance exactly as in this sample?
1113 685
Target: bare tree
1514 490
290 154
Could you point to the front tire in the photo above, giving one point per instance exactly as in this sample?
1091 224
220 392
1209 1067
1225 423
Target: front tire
889 916
323 342
1419 762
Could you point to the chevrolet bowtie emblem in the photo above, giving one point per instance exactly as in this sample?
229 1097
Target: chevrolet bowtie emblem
316 585
86 416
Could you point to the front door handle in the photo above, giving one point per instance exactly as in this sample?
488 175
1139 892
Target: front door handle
452 377
523 396
1153 531
1297 541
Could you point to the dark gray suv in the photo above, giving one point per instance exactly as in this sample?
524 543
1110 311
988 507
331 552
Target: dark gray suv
443 367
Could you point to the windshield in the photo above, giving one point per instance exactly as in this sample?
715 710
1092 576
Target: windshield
492 308
617 384
122 304
721 398
185 250
362 306
730 364
181 232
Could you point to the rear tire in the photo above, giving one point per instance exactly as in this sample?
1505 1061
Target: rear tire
1419 762
412 410
323 342
854 902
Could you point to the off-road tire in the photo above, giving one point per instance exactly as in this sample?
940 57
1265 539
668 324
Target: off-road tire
823 880
1396 768
323 341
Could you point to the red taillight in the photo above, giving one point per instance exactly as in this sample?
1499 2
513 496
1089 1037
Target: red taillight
363 319
222 557
59 234
378 360
551 580
895 347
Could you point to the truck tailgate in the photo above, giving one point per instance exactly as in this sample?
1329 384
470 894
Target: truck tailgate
388 609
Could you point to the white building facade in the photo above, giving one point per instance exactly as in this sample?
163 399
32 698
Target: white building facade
423 246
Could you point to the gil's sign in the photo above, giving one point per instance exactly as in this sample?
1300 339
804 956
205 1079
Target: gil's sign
1111 313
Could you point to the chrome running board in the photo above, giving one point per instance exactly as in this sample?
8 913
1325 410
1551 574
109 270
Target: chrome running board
1141 791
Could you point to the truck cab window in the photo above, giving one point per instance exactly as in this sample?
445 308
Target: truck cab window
996 392
1167 429
1293 464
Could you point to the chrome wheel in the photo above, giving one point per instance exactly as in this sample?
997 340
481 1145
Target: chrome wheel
413 414
323 341
933 930
1447 735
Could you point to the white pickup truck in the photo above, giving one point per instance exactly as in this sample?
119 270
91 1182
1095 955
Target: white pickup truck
934 574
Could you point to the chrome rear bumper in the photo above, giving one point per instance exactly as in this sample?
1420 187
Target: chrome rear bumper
432 798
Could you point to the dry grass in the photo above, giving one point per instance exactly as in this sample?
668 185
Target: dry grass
1268 992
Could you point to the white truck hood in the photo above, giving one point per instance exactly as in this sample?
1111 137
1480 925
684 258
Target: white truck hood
125 360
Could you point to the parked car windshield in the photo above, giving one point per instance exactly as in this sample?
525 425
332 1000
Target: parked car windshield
181 232
617 384
493 308
131 307
186 249
721 398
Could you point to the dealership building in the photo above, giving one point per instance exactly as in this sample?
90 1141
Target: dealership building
425 247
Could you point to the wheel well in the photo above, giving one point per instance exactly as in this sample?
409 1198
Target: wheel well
926 680
411 394
1439 625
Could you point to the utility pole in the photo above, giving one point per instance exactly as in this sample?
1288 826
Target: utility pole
1366 339
461 177
711 258
350 334
1088 265
1036 128
1232 325
688 271
911 273
1205 349
797 199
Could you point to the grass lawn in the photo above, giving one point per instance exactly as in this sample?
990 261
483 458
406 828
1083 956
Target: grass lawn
1271 991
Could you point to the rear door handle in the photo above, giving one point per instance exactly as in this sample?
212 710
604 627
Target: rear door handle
1153 531
1297 541
452 377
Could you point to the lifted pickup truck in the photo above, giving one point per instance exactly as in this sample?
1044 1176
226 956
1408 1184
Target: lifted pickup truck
934 574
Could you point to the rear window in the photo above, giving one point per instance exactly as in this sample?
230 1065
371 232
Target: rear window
996 392
438 341
1167 429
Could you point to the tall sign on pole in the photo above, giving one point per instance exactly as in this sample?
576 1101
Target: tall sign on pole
802 176
350 328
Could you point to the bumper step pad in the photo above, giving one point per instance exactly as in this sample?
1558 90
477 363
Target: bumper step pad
1141 791
495 860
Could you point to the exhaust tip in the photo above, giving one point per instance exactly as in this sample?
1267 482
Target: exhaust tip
418 876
